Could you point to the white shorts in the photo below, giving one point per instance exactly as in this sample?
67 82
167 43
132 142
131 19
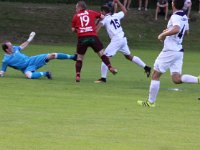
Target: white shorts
171 60
117 45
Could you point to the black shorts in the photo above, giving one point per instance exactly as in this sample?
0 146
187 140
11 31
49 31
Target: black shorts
161 11
88 41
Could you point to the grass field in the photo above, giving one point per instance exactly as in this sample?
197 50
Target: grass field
61 114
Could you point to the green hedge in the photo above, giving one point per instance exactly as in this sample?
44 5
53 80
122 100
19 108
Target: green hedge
54 1
152 3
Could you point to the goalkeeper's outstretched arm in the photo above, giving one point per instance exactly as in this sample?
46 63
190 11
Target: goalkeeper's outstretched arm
25 44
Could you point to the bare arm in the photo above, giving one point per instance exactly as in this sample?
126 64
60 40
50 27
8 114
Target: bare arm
99 19
73 29
121 6
175 29
25 44
98 23
98 27
3 69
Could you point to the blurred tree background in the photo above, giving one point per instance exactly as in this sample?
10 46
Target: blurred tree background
51 20
134 3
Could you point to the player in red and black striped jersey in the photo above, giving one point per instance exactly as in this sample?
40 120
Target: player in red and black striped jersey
83 23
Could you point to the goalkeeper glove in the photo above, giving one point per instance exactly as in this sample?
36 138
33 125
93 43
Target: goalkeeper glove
31 36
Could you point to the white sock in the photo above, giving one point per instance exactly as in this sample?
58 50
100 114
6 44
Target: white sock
138 61
189 79
153 90
104 70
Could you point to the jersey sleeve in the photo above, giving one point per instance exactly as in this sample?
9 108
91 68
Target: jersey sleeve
96 14
17 48
175 20
4 66
20 48
120 14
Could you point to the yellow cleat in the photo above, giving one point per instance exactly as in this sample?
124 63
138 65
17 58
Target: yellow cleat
146 104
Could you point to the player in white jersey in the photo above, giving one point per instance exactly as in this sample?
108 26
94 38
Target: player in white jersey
118 40
171 56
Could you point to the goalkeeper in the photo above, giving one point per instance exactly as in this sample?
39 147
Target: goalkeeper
28 65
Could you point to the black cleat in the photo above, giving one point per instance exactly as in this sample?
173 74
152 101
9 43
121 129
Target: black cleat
147 70
101 80
75 57
49 75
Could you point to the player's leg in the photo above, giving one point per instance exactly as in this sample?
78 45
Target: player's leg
125 3
104 70
125 50
176 70
140 4
154 86
79 64
110 51
177 78
146 5
97 46
140 63
61 56
161 65
166 12
37 75
106 61
36 62
128 5
153 90
186 78
199 6
156 14
81 50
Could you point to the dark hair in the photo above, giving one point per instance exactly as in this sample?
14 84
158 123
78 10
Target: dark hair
82 5
178 4
4 46
106 9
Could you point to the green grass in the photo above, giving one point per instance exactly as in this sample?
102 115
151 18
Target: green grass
61 114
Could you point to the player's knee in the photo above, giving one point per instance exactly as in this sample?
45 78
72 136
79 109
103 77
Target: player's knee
100 53
176 80
129 57
80 57
28 74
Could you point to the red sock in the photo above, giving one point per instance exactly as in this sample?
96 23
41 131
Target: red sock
78 66
106 61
